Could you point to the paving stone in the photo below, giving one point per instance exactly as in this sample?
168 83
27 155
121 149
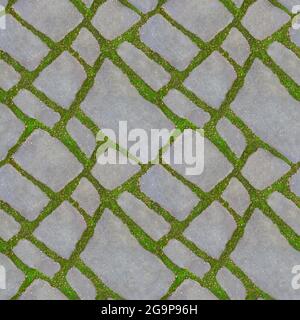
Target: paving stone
112 176
41 290
263 169
212 80
204 18
62 79
82 135
113 99
160 186
212 229
87 46
185 258
144 5
52 164
216 168
10 130
9 227
263 19
14 278
163 38
191 290
286 59
49 17
21 44
153 224
36 259
266 107
81 284
238 3
237 196
232 285
61 230
232 135
295 183
289 4
147 69
295 36
35 108
286 209
87 196
237 46
20 193
113 19
8 76
116 256
88 3
267 258
184 108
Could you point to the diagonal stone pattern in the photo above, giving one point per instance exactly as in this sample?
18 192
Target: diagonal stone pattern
149 232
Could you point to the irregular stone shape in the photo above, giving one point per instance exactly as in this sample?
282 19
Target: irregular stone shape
205 18
216 168
237 46
163 38
87 46
52 163
36 259
8 76
144 5
153 224
81 284
62 79
232 285
295 36
212 229
286 209
184 108
116 256
286 59
41 290
22 44
20 193
82 135
35 108
238 3
262 253
151 72
88 3
266 107
10 130
212 80
113 19
289 4
191 290
263 169
8 226
263 19
87 196
232 135
113 99
295 183
161 186
237 196
49 17
14 278
61 230
185 258
112 176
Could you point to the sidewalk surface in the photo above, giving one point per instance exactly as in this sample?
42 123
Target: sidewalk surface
71 228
